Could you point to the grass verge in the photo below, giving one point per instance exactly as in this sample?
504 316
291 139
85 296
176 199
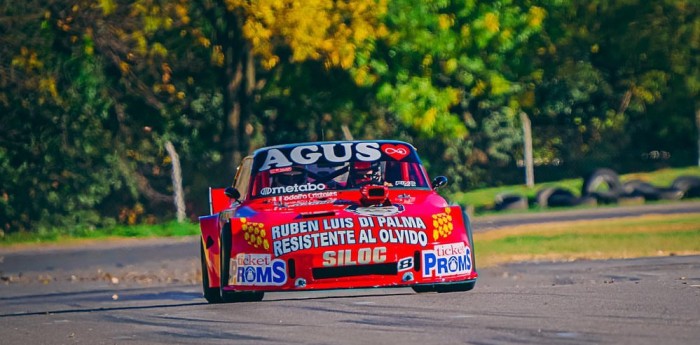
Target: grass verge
169 229
652 235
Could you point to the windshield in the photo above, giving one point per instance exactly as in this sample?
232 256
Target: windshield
336 167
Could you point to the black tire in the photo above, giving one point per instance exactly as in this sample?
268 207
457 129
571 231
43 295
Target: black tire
443 288
636 188
456 287
510 202
453 287
423 288
650 192
555 196
605 197
670 194
689 185
232 296
543 195
212 295
603 177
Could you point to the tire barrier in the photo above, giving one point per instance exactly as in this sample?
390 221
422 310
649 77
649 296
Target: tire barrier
560 197
542 196
510 202
555 196
604 185
689 185
650 192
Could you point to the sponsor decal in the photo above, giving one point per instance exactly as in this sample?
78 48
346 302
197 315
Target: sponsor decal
397 152
257 270
309 203
403 236
309 234
284 230
405 183
401 222
307 196
255 234
309 199
320 233
376 210
405 264
280 170
296 188
442 224
349 257
447 260
310 154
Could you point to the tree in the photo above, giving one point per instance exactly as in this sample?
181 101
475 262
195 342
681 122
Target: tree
127 77
54 137
616 79
455 72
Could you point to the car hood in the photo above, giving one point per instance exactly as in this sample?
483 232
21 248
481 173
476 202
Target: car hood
340 204
410 217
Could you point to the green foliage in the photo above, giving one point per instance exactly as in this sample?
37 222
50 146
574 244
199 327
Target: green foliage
55 162
91 90
165 229
453 73
609 69
598 239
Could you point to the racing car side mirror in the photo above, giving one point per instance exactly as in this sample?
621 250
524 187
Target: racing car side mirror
232 193
439 182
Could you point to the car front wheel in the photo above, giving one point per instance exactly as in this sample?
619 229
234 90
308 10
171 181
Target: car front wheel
232 296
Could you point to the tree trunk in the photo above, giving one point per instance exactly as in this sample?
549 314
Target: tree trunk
177 181
527 136
239 79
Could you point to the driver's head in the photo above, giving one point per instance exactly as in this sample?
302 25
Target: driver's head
365 173
289 178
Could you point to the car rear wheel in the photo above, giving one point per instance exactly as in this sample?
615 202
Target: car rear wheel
212 295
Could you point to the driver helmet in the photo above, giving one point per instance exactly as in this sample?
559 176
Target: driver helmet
289 178
366 173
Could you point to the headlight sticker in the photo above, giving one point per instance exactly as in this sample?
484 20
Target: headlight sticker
255 234
442 224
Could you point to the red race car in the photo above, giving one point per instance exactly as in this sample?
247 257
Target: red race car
330 215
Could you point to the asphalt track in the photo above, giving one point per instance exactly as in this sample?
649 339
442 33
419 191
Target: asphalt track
147 292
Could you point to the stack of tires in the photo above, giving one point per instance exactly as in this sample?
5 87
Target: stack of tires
603 186
561 197
507 202
689 185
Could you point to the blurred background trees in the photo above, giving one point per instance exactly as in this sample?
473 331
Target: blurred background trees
91 90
